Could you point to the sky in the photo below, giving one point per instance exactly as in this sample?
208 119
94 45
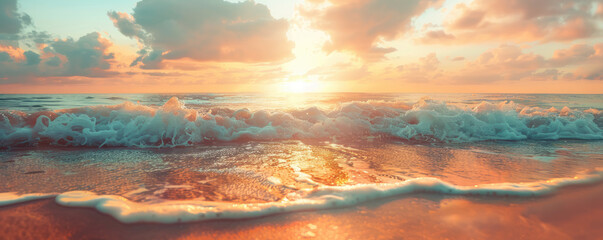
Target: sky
423 46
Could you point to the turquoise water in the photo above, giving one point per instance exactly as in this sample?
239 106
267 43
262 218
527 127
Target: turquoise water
208 150
41 102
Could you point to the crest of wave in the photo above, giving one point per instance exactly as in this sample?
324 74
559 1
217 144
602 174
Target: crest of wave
170 125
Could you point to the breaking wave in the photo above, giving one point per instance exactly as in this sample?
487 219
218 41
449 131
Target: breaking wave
171 125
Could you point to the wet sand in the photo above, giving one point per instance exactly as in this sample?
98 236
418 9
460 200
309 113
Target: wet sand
572 213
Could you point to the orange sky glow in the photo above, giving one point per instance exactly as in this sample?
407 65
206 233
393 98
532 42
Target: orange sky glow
158 46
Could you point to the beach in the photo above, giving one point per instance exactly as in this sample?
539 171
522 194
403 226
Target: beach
573 213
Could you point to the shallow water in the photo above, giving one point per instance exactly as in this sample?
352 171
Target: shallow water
228 149
262 172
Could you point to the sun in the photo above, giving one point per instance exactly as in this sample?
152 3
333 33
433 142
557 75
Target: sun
300 86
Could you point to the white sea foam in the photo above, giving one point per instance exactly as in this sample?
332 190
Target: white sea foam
12 198
172 124
323 197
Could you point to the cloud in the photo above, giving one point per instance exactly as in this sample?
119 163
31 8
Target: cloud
579 61
518 21
509 63
11 22
587 59
577 53
87 56
359 26
5 57
210 30
437 36
506 62
425 69
126 24
32 58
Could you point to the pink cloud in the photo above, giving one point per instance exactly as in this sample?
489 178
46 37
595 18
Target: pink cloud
509 63
359 26
575 54
505 62
588 61
425 69
516 20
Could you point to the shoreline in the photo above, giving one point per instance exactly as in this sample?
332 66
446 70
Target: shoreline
572 213
315 199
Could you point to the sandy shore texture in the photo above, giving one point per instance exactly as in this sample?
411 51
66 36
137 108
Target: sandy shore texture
572 213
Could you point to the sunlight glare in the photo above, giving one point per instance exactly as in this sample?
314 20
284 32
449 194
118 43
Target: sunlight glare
300 86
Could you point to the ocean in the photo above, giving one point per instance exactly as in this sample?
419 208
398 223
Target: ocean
174 158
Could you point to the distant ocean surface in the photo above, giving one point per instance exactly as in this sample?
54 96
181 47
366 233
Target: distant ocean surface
189 157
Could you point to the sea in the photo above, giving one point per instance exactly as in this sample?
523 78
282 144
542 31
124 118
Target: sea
171 158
